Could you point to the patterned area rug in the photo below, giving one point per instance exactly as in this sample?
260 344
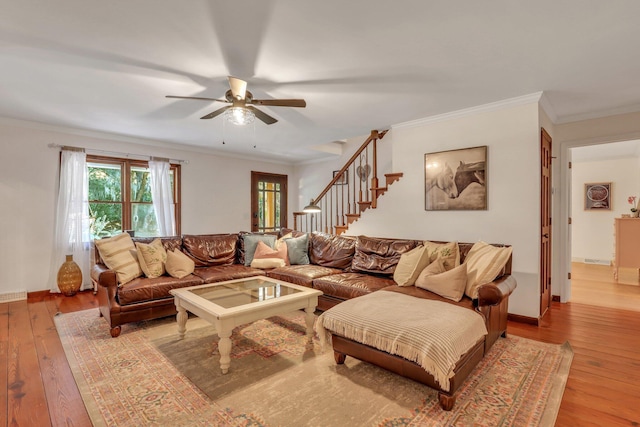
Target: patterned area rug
147 377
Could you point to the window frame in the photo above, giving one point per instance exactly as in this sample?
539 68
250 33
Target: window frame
125 187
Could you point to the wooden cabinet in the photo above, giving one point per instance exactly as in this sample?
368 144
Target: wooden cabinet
627 244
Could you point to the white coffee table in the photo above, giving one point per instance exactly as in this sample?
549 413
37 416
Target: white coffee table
237 302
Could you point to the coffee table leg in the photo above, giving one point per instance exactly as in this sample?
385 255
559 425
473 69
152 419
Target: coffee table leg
182 320
309 319
224 345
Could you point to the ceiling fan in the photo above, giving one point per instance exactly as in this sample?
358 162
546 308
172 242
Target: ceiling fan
242 110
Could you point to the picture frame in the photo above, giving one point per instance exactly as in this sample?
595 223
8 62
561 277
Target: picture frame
344 179
456 179
597 196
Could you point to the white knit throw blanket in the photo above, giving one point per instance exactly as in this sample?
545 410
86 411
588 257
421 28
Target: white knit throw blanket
434 334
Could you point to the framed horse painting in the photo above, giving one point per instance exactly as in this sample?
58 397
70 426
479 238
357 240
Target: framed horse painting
456 179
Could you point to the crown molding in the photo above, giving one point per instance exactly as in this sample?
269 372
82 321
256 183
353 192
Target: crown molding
493 106
599 115
545 104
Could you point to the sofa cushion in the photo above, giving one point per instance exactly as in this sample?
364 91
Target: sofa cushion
146 289
447 283
410 265
220 273
179 265
211 249
119 254
422 293
333 251
379 256
485 263
151 258
298 249
350 285
302 275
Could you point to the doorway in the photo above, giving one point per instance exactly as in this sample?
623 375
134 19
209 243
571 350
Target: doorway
592 237
268 202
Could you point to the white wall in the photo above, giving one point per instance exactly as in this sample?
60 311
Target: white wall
512 217
215 194
592 230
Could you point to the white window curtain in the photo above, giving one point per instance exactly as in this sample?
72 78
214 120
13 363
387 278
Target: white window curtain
71 234
162 196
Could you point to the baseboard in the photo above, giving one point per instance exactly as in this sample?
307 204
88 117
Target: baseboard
38 294
523 319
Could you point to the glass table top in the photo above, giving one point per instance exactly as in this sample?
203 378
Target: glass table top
243 292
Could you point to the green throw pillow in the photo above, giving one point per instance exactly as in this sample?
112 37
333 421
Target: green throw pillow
298 249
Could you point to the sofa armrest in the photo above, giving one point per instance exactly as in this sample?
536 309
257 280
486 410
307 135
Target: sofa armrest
493 293
101 275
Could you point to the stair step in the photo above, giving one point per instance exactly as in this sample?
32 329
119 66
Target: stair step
377 192
364 206
392 177
351 217
340 229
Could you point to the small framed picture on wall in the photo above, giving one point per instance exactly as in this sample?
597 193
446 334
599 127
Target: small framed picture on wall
597 196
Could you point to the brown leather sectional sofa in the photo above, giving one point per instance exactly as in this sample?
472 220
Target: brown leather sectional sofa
342 267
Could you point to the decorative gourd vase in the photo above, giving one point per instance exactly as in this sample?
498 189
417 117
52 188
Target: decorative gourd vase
635 214
69 277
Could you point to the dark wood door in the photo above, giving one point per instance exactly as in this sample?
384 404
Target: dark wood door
545 218
268 201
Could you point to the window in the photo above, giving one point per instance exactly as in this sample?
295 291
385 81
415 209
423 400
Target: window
120 197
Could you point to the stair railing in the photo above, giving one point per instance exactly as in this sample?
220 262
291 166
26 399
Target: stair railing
348 194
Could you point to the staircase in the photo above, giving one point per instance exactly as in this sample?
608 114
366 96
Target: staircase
349 193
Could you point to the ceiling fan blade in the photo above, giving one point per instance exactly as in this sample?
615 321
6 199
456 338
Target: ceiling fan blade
216 113
238 87
261 115
196 97
280 102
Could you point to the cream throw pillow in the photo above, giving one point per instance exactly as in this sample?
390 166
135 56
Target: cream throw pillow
263 263
118 253
448 252
179 265
484 263
410 266
152 257
449 284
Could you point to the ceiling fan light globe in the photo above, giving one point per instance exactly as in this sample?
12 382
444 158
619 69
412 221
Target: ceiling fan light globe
240 116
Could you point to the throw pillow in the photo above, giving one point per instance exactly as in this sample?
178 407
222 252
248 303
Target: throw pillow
298 250
118 253
281 247
449 284
178 264
152 257
263 263
250 243
263 252
448 252
410 266
484 263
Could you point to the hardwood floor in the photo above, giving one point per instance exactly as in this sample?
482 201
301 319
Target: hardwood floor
603 388
594 285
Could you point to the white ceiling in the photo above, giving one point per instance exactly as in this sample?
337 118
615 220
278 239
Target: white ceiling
360 65
610 151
